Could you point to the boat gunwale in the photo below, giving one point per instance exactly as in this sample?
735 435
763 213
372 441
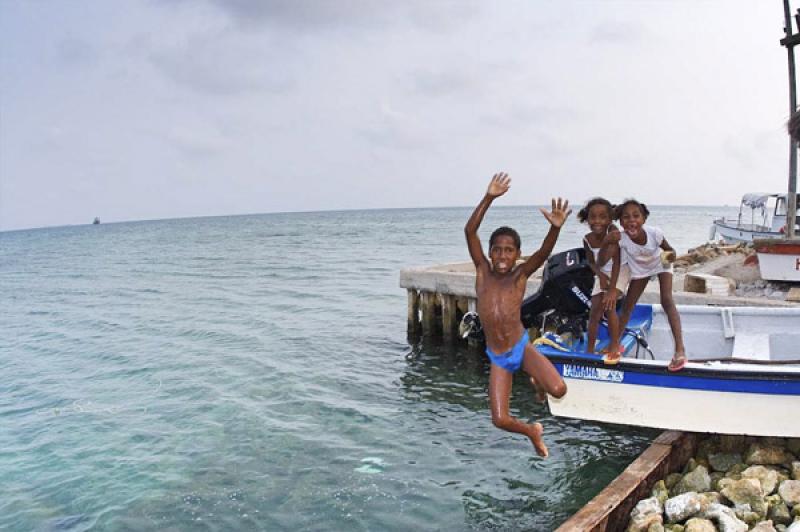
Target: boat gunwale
715 369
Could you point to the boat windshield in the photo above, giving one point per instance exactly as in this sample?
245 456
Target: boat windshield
780 205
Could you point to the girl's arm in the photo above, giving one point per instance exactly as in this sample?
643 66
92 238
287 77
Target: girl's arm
666 247
589 256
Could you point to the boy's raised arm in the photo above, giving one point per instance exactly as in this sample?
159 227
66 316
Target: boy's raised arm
557 216
497 187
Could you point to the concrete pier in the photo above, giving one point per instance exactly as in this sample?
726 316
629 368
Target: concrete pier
439 296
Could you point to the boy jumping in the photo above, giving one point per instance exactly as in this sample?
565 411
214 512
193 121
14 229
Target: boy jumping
500 287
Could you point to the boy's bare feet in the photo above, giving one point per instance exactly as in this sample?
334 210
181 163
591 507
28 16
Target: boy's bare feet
541 395
535 435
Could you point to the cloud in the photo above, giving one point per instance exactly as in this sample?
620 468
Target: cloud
75 52
394 130
616 32
198 140
220 63
313 14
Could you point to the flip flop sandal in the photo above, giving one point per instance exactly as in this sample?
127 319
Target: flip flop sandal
678 365
611 361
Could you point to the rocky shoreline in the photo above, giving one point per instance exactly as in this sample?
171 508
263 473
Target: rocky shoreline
737 262
732 484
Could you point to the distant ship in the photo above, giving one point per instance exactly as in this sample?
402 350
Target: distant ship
96 220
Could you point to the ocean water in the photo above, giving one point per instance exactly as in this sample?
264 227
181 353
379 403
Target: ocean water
253 373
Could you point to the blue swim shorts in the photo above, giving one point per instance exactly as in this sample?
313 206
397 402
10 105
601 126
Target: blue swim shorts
510 360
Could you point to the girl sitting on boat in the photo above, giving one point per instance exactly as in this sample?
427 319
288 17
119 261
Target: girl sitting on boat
648 254
611 273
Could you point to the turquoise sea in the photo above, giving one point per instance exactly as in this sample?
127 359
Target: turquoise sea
253 373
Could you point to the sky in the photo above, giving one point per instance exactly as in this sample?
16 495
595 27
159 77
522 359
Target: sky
132 110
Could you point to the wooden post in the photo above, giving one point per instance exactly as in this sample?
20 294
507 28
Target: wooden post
789 42
428 313
472 306
449 324
414 326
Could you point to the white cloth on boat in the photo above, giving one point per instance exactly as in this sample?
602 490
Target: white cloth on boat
644 260
755 200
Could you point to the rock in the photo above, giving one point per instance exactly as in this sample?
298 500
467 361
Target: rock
682 507
674 528
697 480
779 512
660 492
761 454
795 470
672 479
706 447
725 518
749 517
767 477
736 470
716 476
763 526
646 513
731 443
655 527
793 445
723 461
789 490
747 491
794 527
696 524
709 498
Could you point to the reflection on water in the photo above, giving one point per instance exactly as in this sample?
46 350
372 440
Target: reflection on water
512 486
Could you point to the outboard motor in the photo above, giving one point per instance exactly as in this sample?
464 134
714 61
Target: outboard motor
562 301
564 297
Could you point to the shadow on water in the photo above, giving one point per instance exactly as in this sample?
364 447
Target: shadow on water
510 487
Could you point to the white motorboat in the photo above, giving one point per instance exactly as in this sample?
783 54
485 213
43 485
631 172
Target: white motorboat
742 374
767 219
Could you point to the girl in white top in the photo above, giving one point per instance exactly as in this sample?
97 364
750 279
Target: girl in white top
604 257
649 254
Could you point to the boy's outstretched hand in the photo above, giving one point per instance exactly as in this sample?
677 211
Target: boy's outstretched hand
499 184
559 212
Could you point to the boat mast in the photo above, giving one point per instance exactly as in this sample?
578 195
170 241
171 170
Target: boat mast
789 42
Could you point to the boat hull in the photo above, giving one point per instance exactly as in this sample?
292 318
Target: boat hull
696 401
779 261
732 234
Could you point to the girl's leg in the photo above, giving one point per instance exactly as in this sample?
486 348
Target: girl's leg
665 285
613 334
500 381
635 290
595 313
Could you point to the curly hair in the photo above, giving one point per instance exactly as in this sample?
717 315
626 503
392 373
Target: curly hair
505 230
583 214
621 207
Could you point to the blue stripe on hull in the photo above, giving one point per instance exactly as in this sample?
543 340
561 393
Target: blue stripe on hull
774 385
